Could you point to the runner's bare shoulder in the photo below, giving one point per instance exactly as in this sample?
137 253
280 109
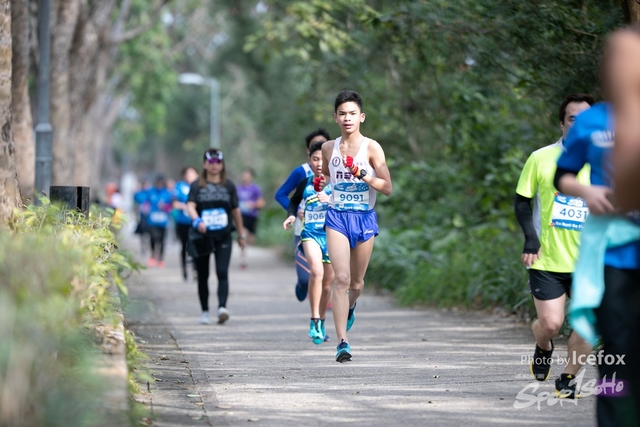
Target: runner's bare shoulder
327 147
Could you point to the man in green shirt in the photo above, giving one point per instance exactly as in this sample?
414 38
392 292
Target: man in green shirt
552 235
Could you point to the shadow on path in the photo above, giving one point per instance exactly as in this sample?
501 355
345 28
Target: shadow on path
410 367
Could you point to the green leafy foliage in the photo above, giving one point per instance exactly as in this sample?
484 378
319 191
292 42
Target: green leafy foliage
458 94
56 266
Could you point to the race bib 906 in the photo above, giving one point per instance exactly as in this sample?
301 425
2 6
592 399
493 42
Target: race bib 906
569 212
313 218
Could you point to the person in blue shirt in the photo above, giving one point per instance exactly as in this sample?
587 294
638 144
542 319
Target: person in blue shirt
314 242
282 197
141 208
158 199
183 221
591 140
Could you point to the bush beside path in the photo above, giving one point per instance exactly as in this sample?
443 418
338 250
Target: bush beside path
410 366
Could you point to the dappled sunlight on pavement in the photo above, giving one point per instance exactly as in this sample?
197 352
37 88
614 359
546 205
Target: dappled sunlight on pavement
410 366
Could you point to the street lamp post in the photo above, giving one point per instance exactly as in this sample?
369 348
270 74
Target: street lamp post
214 113
44 132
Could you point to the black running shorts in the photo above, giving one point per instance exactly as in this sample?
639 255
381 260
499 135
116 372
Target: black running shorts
249 222
547 285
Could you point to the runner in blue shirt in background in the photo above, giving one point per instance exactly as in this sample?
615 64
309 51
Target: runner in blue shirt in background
591 140
314 241
181 216
159 201
282 197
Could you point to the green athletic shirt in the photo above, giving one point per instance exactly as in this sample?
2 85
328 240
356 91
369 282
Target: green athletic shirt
557 218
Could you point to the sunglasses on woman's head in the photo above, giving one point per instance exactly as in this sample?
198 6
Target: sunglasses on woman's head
213 157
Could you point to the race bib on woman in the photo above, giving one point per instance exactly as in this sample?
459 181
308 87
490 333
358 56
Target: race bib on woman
215 219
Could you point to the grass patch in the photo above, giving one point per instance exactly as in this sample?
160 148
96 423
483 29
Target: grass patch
57 267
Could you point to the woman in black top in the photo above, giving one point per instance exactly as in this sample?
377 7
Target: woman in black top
212 203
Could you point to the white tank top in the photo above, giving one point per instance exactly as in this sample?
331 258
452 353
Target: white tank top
350 193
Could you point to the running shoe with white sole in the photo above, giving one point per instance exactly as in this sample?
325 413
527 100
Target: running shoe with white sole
223 315
343 353
204 318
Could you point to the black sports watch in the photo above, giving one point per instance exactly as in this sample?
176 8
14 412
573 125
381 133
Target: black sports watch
362 174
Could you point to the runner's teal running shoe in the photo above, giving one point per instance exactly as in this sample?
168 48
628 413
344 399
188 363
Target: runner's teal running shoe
344 352
315 331
352 316
324 334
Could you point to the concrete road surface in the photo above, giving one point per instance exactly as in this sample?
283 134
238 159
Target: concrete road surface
410 367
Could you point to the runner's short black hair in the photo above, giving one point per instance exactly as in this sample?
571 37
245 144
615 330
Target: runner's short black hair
317 132
317 146
574 97
348 96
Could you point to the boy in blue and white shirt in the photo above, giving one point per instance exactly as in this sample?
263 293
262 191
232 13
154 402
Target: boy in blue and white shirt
282 197
314 241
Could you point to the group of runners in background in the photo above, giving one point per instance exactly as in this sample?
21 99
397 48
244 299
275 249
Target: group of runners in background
332 208
206 208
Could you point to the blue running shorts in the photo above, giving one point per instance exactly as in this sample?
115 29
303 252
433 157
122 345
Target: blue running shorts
320 239
357 226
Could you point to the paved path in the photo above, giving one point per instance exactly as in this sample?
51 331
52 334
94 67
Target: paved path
410 366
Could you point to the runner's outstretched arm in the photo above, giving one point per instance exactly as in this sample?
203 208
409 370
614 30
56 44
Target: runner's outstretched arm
282 195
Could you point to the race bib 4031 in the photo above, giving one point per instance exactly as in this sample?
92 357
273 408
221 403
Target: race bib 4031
569 212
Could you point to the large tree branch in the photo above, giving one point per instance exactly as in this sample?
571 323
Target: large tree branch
135 32
123 16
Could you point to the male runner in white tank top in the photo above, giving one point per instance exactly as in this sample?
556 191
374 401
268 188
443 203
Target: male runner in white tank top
356 167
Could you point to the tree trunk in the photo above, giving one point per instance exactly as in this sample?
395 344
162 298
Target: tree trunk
66 16
21 122
84 44
632 12
9 195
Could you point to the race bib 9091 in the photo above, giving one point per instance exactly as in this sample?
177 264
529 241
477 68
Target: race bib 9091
351 196
569 212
